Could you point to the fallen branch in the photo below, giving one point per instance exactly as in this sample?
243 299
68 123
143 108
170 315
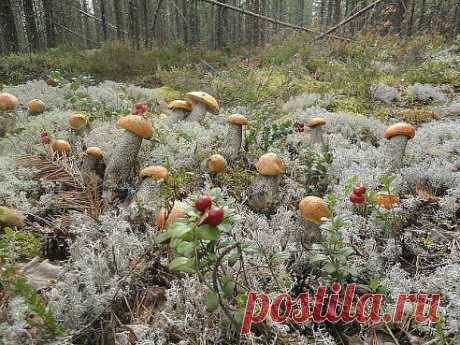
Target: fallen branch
269 19
343 22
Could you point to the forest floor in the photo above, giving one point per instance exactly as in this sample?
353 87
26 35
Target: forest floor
89 264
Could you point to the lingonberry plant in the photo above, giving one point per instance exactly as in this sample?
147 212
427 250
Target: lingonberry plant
316 170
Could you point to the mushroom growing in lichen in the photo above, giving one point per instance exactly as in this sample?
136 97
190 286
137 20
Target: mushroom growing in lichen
201 104
264 192
61 147
151 176
316 134
36 106
124 157
215 164
163 219
234 136
92 157
8 101
179 110
313 210
398 135
10 217
77 122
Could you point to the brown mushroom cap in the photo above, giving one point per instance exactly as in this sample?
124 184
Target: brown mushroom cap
94 152
11 217
177 212
270 165
179 104
136 124
316 121
386 200
158 172
8 101
203 97
313 209
216 163
61 147
36 106
237 119
78 121
400 128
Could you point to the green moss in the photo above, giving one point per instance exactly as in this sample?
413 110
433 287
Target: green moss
349 105
167 93
20 244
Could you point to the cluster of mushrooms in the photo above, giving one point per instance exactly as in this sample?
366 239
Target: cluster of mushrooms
264 194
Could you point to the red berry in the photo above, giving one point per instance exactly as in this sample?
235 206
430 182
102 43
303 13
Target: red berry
203 203
45 139
215 216
140 109
357 198
359 190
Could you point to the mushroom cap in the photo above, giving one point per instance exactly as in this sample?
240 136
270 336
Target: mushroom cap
94 152
313 209
316 121
237 119
180 104
78 121
156 171
178 211
61 147
203 97
386 200
8 101
36 106
400 128
11 217
270 165
136 124
216 163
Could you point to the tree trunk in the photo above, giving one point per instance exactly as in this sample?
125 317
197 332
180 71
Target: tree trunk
10 38
31 25
50 31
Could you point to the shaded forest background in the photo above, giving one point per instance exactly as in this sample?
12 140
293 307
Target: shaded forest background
34 25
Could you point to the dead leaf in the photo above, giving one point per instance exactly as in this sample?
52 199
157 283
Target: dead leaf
425 192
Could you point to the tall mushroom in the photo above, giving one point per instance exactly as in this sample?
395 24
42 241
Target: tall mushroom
316 134
201 104
313 211
124 156
8 101
398 135
36 106
234 136
10 217
264 192
179 110
93 156
151 176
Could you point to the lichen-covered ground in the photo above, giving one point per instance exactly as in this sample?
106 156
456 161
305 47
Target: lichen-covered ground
109 279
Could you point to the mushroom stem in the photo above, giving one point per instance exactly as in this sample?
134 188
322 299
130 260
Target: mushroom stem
263 194
198 111
310 233
176 116
122 160
89 164
316 139
233 141
145 197
397 149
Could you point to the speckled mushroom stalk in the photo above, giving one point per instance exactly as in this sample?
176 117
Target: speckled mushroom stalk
313 211
152 177
264 191
398 136
316 134
234 136
124 156
179 111
201 104
92 157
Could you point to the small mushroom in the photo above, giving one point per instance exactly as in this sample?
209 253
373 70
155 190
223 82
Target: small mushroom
77 122
163 220
61 147
201 103
11 217
234 136
216 163
8 101
179 110
124 156
93 156
398 135
36 106
264 192
151 176
313 210
316 134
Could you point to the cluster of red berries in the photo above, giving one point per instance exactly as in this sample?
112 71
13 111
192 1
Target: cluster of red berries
300 127
358 197
44 138
215 214
140 109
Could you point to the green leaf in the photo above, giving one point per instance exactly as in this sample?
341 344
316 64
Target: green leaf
163 237
212 302
179 229
186 248
209 233
229 288
329 268
180 264
225 227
